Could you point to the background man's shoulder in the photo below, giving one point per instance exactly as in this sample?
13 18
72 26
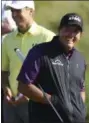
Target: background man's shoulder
46 34
9 36
46 31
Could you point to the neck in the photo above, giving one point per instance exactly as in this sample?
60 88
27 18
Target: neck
67 49
24 30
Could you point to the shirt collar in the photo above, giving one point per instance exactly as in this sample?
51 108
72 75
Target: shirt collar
32 30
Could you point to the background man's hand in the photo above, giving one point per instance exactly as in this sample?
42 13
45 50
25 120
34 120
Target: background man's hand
6 27
7 92
8 95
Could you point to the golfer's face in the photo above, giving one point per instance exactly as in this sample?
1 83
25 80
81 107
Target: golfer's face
69 35
21 17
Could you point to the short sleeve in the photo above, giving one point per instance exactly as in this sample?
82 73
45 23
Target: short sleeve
30 68
4 57
82 83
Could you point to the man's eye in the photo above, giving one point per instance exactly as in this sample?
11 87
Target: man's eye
76 30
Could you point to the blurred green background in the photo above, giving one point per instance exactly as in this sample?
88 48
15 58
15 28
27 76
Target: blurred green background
49 13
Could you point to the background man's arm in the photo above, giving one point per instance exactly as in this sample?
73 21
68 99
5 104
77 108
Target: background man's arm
5 69
5 27
5 84
4 79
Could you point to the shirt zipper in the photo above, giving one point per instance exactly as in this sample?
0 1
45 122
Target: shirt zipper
68 76
68 80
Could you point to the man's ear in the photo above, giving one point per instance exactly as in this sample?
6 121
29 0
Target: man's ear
81 33
31 11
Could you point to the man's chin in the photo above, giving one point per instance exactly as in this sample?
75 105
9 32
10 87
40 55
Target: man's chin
70 47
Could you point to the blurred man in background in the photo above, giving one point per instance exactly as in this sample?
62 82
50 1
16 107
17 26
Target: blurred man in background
8 23
7 26
59 68
27 34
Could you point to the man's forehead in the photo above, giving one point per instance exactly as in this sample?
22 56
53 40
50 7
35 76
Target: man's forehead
71 27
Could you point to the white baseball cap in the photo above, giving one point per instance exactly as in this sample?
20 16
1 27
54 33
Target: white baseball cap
20 4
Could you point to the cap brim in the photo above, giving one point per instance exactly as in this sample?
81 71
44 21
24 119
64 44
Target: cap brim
8 7
76 24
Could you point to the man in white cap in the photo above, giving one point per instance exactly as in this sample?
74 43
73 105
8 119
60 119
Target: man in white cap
27 35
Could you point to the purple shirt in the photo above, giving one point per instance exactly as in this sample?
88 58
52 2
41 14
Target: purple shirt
30 68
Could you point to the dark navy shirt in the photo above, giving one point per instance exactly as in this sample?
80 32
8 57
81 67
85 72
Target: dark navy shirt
59 74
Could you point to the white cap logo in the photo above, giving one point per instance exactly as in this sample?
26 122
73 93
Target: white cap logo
76 18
